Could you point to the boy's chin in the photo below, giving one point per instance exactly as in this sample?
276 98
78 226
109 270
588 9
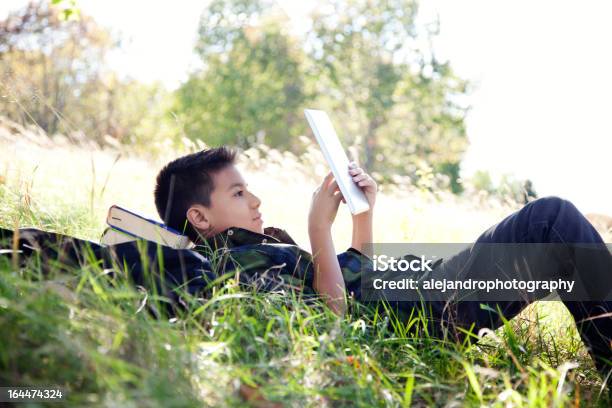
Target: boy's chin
257 228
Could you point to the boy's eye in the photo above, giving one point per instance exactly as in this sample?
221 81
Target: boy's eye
239 193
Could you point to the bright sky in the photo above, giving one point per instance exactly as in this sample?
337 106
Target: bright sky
541 109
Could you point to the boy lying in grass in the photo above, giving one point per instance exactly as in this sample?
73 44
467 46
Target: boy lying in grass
206 196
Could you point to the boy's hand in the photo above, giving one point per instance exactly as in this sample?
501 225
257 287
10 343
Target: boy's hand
325 202
365 182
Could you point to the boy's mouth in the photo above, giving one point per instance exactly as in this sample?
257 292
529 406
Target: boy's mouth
257 218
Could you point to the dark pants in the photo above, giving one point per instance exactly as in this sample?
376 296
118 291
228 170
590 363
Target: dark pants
546 220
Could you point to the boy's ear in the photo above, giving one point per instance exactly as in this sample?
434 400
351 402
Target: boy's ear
198 217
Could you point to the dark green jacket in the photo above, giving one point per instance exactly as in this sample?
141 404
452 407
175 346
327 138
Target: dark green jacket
273 258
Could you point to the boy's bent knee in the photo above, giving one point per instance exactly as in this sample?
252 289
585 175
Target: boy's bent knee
550 209
549 201
553 204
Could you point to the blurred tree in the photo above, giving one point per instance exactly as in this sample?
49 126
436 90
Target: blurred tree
400 105
54 74
482 181
50 67
142 113
250 89
510 188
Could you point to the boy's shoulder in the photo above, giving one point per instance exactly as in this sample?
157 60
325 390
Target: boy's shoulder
280 234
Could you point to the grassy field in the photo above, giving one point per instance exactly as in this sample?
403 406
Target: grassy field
91 333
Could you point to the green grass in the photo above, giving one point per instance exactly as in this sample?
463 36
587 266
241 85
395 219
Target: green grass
93 333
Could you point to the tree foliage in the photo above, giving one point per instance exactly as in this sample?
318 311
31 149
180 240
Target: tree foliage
398 95
251 87
54 74
364 61
52 69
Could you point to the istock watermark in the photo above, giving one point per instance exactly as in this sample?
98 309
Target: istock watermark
487 272
445 285
389 263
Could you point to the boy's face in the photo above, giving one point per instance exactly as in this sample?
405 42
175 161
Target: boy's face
231 204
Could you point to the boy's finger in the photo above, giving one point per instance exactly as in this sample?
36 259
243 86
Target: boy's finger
341 196
327 178
337 190
338 197
333 186
359 177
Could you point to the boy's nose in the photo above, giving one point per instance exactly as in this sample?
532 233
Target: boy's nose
255 202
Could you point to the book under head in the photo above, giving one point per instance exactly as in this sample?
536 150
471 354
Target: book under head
126 226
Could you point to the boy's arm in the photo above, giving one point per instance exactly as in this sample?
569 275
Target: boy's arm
362 229
328 280
363 223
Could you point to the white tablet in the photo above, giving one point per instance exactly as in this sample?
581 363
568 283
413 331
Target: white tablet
336 158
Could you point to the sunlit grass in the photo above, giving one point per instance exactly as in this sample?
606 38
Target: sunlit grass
91 331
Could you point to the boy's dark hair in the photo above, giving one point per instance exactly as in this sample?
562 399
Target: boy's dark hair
187 181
